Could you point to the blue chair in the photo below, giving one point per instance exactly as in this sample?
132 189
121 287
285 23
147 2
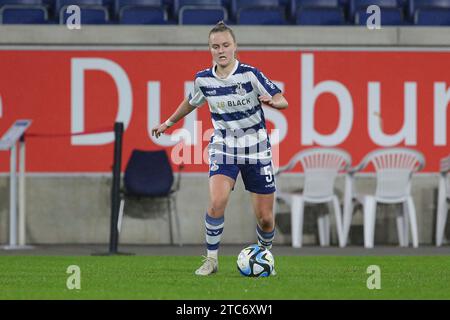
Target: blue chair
320 16
82 3
11 14
389 17
178 4
89 15
296 5
261 16
316 3
142 15
355 5
201 15
237 5
432 17
413 5
148 174
21 2
119 4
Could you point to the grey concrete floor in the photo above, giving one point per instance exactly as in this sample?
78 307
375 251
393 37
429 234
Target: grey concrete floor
192 250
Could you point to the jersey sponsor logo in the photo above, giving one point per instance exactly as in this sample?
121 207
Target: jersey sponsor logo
220 104
211 92
237 103
271 185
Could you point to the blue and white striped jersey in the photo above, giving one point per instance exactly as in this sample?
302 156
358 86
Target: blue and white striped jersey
236 112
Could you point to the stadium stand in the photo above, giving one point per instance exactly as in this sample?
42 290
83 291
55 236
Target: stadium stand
199 11
310 6
432 17
59 4
414 5
245 12
179 4
356 6
122 4
13 14
320 16
202 15
261 16
389 17
21 2
89 15
142 15
243 5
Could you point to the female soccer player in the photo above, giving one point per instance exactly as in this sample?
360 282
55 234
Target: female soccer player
240 143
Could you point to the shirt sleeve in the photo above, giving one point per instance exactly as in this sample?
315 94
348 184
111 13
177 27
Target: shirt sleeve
263 85
196 98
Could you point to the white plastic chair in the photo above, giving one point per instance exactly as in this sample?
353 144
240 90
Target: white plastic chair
321 167
443 197
394 168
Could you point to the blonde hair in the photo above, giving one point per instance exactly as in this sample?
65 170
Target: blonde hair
222 27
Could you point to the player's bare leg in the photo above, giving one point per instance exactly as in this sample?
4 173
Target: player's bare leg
220 187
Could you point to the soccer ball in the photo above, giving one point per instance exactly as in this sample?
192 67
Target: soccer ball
255 261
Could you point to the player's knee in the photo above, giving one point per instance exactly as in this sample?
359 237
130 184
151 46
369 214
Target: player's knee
266 222
216 208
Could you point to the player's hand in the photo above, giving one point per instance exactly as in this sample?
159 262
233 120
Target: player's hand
267 100
159 130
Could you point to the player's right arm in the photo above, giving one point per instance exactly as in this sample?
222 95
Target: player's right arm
195 100
183 109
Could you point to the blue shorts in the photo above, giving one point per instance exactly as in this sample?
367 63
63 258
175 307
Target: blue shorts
258 177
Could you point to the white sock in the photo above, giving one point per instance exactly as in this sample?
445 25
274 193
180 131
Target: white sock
213 254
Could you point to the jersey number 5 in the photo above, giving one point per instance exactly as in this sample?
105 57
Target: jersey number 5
268 173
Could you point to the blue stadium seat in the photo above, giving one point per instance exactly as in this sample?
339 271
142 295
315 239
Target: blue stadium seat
261 16
12 14
421 4
320 16
389 17
237 5
89 15
63 3
202 15
316 3
21 2
178 4
119 4
432 17
355 5
110 4
296 5
142 15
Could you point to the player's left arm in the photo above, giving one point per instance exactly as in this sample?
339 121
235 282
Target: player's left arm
277 101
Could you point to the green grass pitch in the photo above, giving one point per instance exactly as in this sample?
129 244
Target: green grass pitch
172 277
